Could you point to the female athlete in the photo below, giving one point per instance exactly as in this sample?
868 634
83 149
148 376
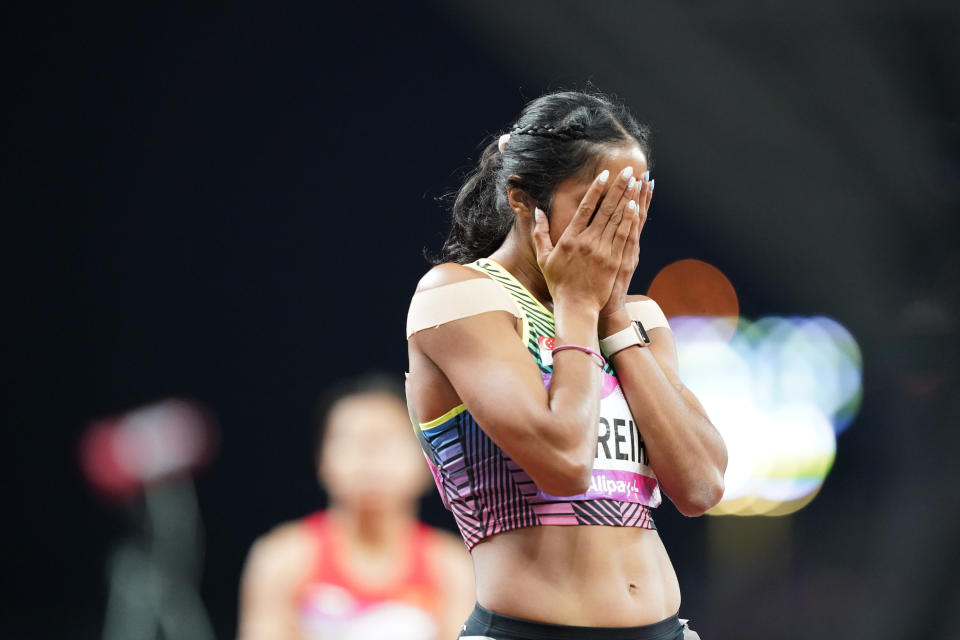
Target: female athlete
547 400
365 567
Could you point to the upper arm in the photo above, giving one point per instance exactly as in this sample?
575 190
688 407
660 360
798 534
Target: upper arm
483 363
449 292
663 347
275 568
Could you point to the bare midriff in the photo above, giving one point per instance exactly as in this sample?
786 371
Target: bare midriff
594 576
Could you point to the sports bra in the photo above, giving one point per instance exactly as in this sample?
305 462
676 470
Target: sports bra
330 605
489 493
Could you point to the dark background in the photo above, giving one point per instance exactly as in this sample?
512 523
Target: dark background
228 201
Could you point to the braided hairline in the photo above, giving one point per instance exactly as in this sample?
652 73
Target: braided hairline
572 131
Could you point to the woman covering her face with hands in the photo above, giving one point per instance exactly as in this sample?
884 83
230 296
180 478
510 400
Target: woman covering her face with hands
547 399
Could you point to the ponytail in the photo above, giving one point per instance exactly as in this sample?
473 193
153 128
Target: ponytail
481 215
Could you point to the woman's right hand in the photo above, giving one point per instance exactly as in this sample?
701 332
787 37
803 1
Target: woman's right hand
582 267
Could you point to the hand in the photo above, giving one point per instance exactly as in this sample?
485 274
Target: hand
584 264
613 316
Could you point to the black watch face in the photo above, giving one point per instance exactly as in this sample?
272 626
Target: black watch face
643 332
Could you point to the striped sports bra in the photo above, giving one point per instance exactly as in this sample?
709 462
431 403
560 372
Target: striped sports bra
489 493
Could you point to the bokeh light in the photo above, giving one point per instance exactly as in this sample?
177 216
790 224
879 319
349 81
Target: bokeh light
779 390
122 455
693 287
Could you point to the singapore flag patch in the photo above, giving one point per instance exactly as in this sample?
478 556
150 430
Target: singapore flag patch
546 350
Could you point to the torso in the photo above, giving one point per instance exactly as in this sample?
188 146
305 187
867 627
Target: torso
335 601
577 575
609 576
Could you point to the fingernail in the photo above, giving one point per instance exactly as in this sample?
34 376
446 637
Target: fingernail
537 213
646 176
651 185
604 175
632 182
631 205
626 173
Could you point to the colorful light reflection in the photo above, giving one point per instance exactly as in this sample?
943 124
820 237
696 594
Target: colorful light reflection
779 390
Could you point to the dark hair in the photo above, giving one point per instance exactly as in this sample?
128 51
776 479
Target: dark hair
375 383
557 136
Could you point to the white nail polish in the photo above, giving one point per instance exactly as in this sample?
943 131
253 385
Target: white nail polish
631 205
604 176
626 173
632 182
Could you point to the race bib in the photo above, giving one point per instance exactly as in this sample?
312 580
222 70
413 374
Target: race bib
621 467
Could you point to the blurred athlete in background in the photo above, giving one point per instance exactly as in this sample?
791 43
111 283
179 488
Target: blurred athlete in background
365 567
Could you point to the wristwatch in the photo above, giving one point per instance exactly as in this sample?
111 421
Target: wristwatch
632 335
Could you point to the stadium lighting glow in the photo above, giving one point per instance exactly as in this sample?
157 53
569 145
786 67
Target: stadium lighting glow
779 390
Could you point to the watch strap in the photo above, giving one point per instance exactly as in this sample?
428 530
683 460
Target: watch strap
634 334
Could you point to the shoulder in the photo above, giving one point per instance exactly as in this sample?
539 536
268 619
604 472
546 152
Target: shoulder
284 550
447 273
451 292
277 566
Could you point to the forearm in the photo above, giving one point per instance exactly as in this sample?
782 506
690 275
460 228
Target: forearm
686 451
574 394
575 384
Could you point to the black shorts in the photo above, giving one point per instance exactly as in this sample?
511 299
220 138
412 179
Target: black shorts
484 624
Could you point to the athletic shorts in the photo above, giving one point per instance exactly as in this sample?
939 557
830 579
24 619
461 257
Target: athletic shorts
484 624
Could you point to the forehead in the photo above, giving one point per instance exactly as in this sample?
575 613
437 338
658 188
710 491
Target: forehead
367 411
613 160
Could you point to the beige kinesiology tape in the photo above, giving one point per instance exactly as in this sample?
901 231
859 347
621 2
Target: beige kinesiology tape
648 313
437 306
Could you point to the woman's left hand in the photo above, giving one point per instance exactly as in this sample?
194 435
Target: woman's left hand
613 314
